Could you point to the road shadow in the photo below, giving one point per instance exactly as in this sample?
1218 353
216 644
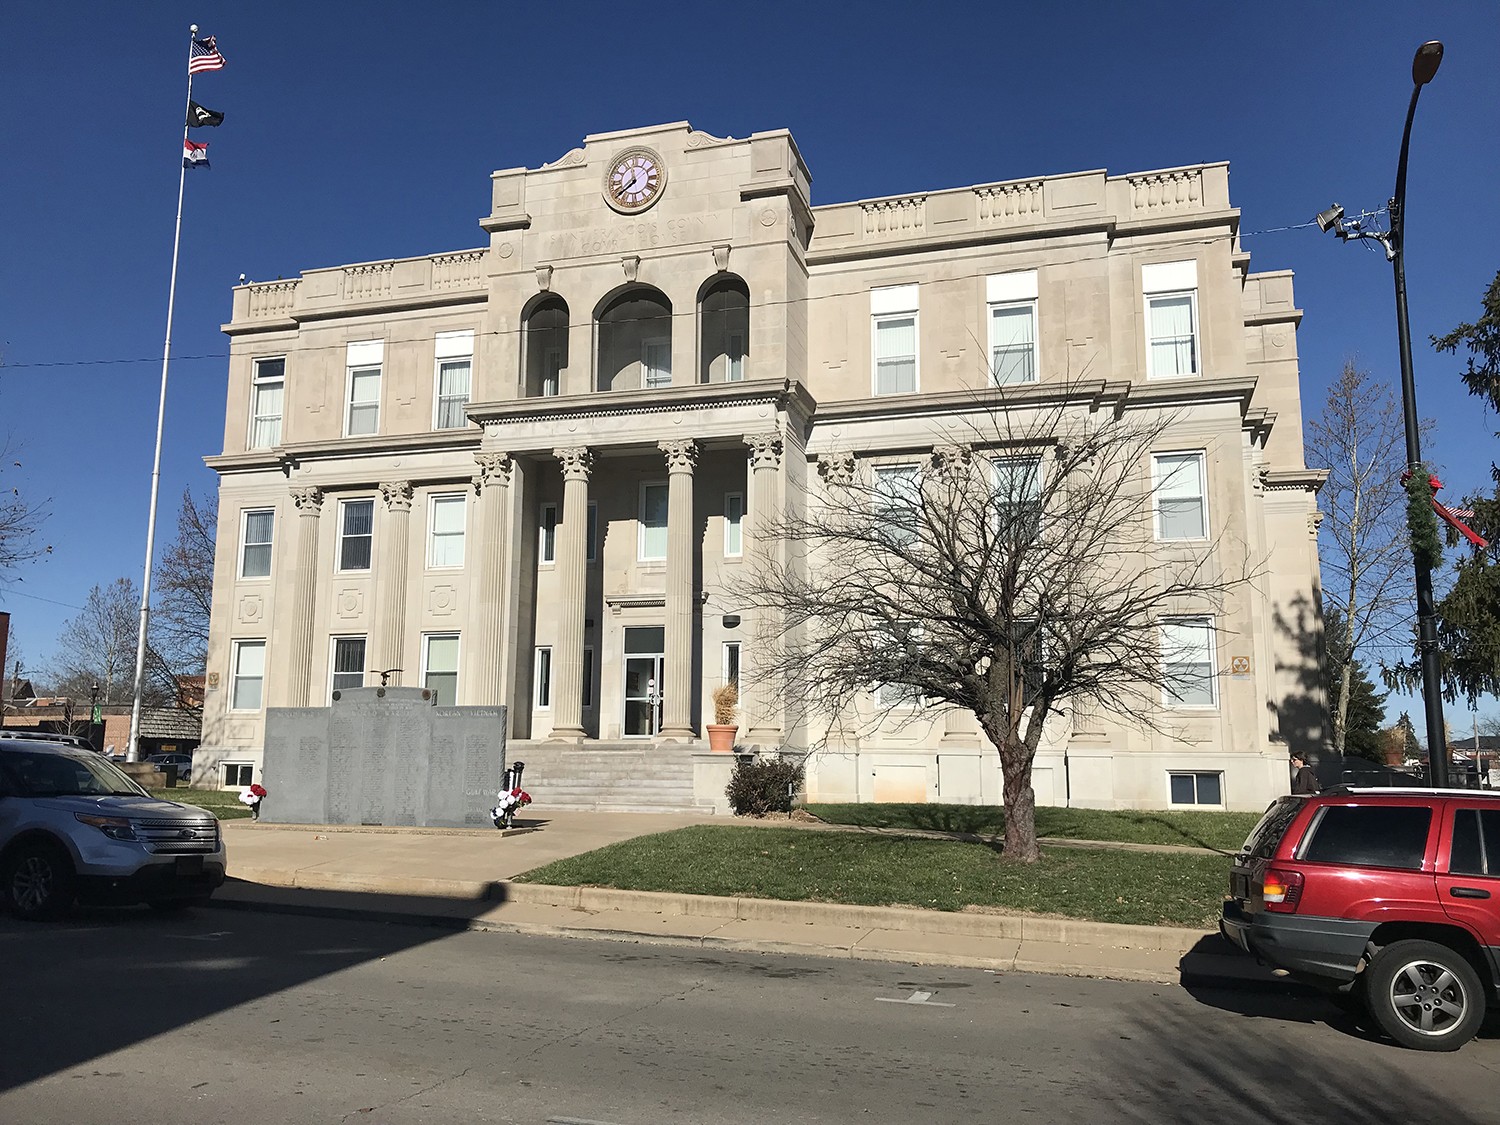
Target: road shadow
102 979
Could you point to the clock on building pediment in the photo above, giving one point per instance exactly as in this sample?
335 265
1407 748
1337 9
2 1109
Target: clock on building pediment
635 180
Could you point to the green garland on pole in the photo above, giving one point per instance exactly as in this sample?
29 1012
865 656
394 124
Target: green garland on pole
1426 545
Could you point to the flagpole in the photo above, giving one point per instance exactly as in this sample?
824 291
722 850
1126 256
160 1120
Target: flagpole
132 748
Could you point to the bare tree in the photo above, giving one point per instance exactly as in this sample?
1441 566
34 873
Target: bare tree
1365 547
1016 575
184 589
20 518
98 645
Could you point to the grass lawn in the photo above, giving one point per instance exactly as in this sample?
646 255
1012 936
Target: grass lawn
1143 888
223 804
1225 831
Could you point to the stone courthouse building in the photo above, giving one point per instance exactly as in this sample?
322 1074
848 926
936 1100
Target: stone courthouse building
528 473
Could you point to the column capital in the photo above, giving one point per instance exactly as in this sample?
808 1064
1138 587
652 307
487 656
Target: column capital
577 461
953 461
308 501
765 450
836 468
493 470
397 495
682 454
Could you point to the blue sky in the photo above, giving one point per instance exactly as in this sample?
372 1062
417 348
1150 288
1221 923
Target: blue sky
365 131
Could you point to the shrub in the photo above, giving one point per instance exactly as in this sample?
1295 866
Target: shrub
763 785
726 700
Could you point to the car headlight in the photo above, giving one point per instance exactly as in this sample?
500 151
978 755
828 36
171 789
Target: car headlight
115 827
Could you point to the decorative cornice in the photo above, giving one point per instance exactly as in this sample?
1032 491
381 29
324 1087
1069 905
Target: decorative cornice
396 494
577 462
682 455
837 468
765 450
308 501
952 461
785 394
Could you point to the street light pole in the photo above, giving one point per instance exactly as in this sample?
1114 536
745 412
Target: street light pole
1423 67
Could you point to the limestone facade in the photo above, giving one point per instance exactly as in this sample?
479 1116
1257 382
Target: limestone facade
528 472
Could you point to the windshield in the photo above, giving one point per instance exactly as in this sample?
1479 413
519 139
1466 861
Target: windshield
69 773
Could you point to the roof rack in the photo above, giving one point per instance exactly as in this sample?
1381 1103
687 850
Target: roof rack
33 735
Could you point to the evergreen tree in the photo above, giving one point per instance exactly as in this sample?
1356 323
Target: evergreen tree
1411 747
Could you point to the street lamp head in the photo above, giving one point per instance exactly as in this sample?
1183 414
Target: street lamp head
1425 64
1329 219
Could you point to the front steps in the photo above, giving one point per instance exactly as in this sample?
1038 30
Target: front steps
608 776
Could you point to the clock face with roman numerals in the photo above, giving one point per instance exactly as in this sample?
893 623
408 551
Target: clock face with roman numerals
635 180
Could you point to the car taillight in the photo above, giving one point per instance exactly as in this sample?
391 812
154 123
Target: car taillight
1282 890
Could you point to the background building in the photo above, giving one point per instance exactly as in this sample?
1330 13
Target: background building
528 473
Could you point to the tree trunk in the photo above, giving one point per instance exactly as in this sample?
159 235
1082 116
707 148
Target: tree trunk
1018 796
1341 718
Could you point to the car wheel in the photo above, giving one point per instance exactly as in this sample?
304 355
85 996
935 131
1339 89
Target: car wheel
1425 996
37 881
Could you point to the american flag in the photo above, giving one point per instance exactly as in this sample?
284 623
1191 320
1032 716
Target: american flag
204 55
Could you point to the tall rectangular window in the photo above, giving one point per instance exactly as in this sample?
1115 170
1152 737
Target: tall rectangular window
588 676
364 361
552 371
893 327
1018 499
1012 304
455 368
546 526
440 667
592 551
1171 292
348 663
445 531
734 356
656 362
734 523
267 394
653 522
898 502
1188 662
255 543
543 678
730 664
356 534
248 676
1181 506
903 638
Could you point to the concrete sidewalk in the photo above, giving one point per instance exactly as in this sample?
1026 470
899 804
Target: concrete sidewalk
459 879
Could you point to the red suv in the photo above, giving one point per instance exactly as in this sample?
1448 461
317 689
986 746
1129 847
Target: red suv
1389 898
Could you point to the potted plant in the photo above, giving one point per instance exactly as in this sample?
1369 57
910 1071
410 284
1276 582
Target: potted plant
722 730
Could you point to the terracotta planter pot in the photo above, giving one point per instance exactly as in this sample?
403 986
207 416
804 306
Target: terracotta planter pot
721 738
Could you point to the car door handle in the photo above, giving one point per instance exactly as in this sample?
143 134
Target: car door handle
1468 892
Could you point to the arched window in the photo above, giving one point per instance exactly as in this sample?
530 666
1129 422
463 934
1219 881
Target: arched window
544 347
635 340
724 322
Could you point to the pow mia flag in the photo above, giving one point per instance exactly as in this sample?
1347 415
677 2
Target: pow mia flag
198 115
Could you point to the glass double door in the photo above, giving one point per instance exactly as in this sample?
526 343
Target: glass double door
644 669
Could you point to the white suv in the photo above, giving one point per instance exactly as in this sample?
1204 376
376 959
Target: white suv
72 826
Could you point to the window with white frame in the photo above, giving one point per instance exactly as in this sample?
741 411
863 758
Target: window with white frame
546 531
897 499
236 775
588 676
440 667
730 663
1189 672
455 377
1179 486
267 398
248 675
543 678
653 522
591 553
656 362
1171 290
903 636
363 361
356 534
256 529
893 336
445 531
347 664
734 524
1017 499
1203 787
1012 304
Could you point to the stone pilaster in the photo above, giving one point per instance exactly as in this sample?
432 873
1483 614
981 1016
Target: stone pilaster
572 573
759 701
302 611
390 597
677 691
481 674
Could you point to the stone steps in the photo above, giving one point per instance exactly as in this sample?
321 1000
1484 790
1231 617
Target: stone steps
608 776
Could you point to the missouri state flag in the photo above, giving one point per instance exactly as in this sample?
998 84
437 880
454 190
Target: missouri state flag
194 155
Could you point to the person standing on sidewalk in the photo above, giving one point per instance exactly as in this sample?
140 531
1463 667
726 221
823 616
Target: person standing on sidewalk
1304 781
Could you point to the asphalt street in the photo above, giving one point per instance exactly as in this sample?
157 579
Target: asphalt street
229 1016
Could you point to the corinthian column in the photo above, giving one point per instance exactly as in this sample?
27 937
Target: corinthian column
677 691
759 703
572 573
390 597
298 663
483 686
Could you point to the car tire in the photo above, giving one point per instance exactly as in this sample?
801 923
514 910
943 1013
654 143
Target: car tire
1425 995
37 882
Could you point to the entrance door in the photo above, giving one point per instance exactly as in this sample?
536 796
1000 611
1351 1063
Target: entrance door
644 662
